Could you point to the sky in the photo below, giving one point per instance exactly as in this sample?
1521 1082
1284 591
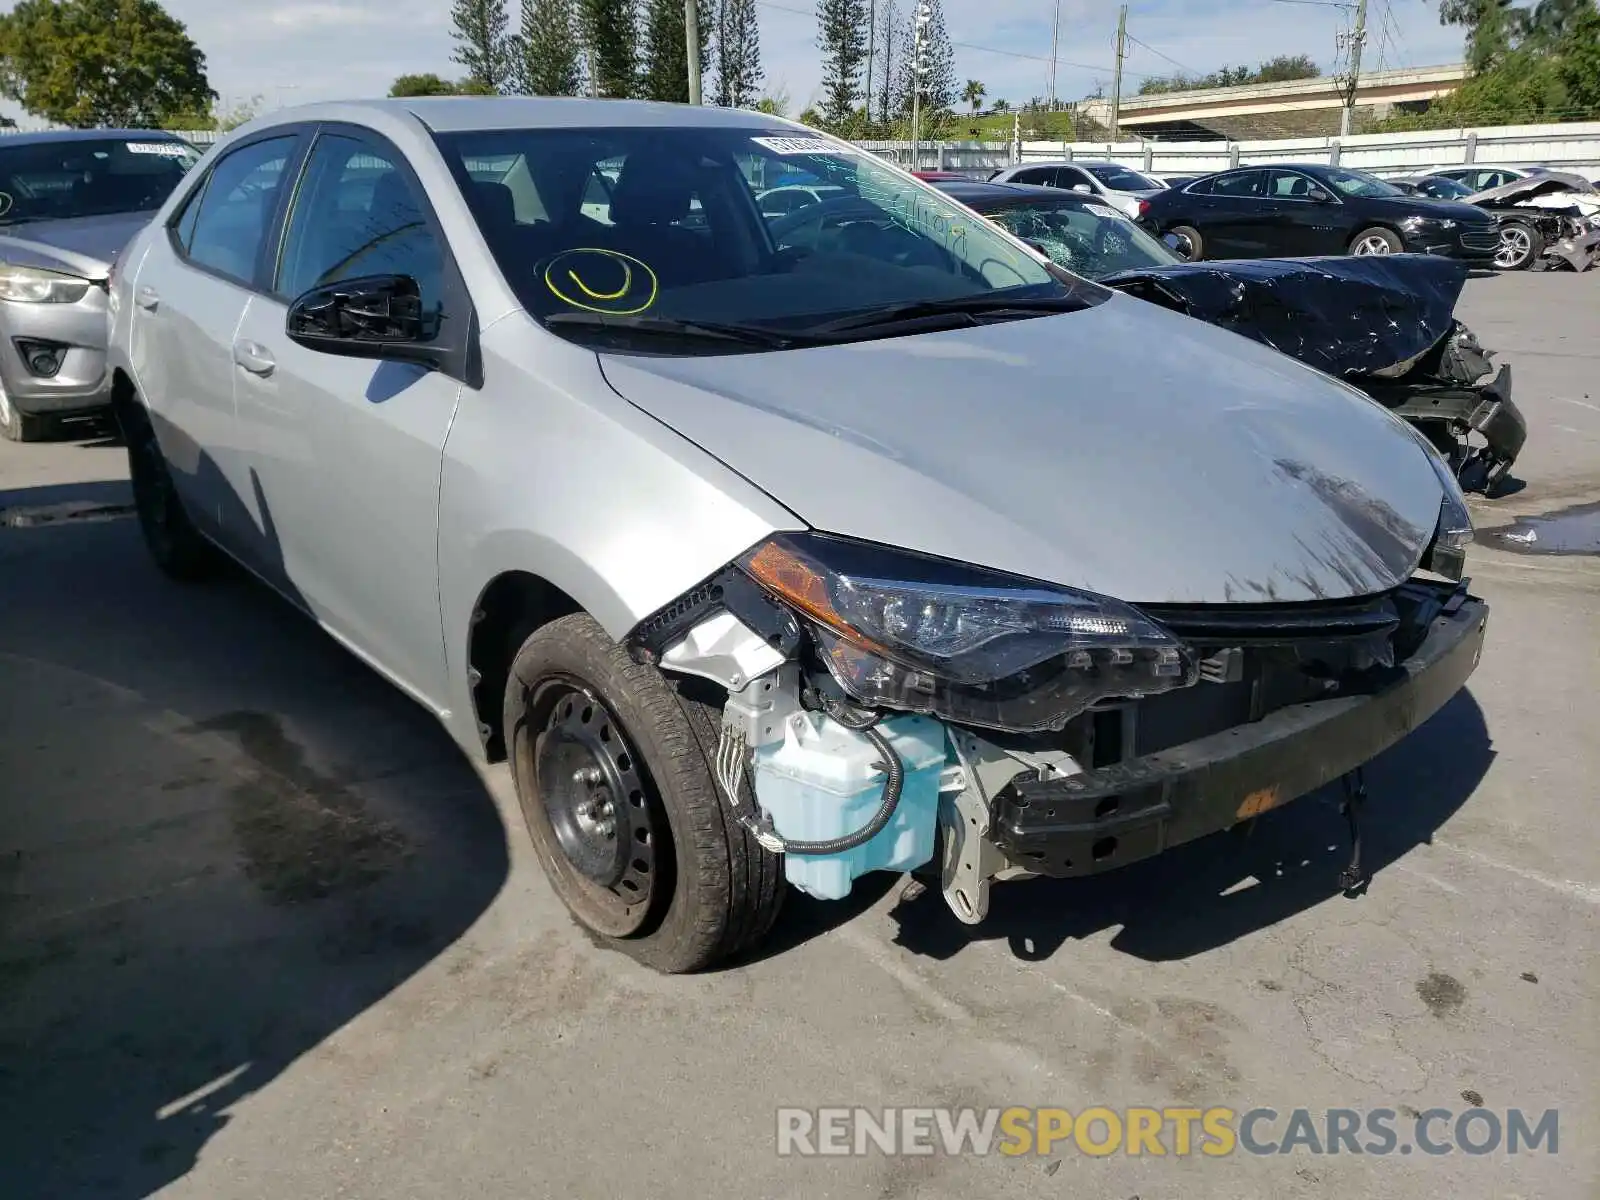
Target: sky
294 51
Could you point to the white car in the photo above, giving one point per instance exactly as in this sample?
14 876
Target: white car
1119 186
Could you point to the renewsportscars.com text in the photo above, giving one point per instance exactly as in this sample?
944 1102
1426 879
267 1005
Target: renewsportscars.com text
1206 1132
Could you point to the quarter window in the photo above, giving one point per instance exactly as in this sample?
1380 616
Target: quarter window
231 220
358 214
1245 183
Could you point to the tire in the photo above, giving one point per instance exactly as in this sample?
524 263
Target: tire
1376 240
177 547
17 426
1520 246
708 890
1197 246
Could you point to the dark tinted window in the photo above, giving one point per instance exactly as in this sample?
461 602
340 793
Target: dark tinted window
1444 189
87 178
1124 179
1290 185
1071 177
236 211
1242 183
1200 187
184 229
358 214
1043 176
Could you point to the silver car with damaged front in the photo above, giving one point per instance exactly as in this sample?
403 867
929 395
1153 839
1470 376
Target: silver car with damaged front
884 546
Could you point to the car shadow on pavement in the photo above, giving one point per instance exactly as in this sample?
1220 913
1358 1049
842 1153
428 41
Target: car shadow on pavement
222 840
1208 893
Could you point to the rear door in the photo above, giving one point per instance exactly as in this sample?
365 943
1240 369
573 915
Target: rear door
189 296
345 453
1237 216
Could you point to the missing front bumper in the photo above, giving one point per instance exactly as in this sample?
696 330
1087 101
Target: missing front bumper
1091 822
1488 410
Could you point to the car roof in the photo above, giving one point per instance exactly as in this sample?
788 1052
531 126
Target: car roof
471 114
47 137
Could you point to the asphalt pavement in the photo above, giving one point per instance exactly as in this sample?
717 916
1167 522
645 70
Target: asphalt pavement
264 932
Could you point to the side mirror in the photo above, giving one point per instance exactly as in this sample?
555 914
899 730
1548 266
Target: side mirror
1318 196
1084 188
376 316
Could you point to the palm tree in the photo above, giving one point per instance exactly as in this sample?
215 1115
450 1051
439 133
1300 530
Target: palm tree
974 93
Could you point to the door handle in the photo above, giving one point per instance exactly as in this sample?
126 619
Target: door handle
147 299
253 358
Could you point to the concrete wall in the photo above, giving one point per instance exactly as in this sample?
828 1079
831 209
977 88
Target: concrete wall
1574 147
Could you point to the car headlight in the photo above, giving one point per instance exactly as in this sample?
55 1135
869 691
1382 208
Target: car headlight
1447 553
32 285
978 647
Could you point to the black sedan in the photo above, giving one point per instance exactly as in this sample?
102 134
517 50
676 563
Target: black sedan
1294 210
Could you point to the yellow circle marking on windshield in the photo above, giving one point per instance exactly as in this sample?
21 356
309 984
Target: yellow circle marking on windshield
637 293
5 203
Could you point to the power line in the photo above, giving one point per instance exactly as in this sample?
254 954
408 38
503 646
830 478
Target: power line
1160 54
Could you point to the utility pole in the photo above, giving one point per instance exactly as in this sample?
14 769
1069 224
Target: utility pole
918 69
1055 41
691 32
1358 39
872 32
1116 79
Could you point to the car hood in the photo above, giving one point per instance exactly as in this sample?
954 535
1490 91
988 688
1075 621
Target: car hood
1123 449
1352 316
84 246
1519 190
1427 206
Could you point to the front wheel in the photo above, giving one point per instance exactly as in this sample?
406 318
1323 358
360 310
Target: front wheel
1520 245
612 769
1377 241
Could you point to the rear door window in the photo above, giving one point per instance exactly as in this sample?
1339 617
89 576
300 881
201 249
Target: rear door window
235 214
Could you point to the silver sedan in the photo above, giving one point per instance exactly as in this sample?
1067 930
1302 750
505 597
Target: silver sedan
772 558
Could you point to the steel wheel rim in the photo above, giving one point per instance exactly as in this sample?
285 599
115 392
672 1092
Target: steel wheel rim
1514 247
592 791
1373 245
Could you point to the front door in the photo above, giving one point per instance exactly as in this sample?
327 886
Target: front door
346 452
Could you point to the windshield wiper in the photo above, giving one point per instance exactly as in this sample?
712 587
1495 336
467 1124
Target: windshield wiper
748 335
970 306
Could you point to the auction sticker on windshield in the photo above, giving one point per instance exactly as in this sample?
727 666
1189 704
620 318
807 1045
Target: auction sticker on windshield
165 149
802 145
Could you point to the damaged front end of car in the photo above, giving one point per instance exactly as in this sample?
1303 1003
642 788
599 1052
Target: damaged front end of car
1385 325
890 711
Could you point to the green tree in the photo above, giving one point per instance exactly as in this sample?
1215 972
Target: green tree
738 54
87 63
425 84
973 94
889 87
842 38
1000 106
1287 67
548 49
665 70
1492 26
1578 62
610 31
483 42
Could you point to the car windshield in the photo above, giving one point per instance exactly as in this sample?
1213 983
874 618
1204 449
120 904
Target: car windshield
1121 179
1088 239
1359 183
663 225
46 181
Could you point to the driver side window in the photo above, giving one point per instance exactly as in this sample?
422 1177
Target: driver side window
358 214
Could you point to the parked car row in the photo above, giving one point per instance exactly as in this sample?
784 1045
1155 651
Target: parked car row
781 548
1478 214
